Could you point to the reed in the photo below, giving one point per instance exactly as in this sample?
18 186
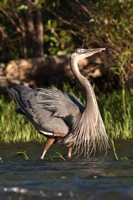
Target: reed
117 114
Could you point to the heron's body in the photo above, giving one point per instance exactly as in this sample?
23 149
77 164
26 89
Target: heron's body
61 117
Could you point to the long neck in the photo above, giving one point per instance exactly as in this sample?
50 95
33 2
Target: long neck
90 96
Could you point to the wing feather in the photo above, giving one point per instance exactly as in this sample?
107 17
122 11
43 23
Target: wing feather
48 110
60 104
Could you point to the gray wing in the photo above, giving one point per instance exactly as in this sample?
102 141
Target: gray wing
47 109
60 104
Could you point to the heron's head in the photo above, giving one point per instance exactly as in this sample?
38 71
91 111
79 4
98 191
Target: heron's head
79 54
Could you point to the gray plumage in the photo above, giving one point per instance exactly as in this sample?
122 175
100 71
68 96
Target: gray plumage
52 111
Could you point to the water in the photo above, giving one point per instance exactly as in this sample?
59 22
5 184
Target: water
98 178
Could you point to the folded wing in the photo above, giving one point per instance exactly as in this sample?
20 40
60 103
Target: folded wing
49 109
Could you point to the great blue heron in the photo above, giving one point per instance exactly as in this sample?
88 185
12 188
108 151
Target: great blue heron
61 117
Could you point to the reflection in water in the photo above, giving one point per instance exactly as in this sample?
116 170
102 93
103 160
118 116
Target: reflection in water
99 178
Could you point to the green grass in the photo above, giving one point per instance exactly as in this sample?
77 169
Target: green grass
118 118
117 114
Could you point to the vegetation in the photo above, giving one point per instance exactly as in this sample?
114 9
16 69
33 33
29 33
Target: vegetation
56 156
117 115
59 28
1 159
23 155
35 28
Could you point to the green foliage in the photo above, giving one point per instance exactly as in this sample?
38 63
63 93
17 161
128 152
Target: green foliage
56 40
115 18
3 3
56 156
69 26
1 160
23 155
113 148
117 115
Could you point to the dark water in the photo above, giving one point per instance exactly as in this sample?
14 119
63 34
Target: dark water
99 178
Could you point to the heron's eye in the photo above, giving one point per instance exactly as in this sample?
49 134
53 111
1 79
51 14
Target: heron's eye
77 51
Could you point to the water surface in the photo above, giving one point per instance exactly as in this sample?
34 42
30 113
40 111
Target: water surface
100 177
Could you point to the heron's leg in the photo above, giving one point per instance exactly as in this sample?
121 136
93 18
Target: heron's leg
69 152
49 142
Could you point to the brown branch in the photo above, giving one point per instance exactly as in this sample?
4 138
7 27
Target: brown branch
10 19
58 17
83 7
3 33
